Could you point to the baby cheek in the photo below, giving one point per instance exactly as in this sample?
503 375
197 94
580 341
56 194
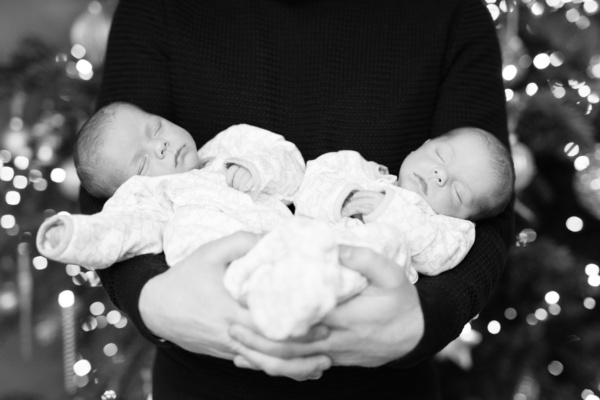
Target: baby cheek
194 162
160 168
440 203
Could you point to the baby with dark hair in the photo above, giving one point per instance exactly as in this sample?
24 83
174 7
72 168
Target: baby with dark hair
121 141
153 175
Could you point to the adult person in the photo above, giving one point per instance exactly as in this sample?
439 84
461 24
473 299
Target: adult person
378 77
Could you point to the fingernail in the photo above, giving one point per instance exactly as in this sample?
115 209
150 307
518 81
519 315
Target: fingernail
325 364
345 251
241 362
321 332
316 376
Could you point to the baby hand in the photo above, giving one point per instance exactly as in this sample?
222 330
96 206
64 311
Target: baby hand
53 235
361 202
239 178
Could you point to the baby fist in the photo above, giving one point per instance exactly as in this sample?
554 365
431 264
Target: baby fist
53 235
361 202
239 178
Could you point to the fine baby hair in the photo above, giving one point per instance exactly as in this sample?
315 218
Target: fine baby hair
88 160
503 173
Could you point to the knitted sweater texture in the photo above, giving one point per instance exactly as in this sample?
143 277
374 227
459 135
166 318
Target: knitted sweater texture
379 77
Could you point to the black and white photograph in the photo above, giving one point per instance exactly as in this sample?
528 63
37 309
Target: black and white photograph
299 199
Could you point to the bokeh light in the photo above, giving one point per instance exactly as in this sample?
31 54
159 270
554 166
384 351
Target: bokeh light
82 367
574 224
66 299
552 297
494 327
40 262
110 349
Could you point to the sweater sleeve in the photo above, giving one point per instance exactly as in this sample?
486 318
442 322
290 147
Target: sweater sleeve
135 71
471 94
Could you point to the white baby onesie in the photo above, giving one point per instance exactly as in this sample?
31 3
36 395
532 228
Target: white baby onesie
289 280
437 242
178 213
292 278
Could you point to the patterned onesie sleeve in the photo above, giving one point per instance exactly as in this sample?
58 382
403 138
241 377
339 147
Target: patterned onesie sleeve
131 223
437 242
178 213
276 165
331 178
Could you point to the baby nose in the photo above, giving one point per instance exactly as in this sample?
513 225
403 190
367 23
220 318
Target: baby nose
440 176
160 148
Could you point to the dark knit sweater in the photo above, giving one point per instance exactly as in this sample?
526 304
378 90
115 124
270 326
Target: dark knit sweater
376 76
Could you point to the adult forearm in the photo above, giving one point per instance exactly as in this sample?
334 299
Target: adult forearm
124 283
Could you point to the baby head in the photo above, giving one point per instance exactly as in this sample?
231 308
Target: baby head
121 140
466 173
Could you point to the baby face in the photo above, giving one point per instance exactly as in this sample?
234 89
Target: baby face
138 143
452 174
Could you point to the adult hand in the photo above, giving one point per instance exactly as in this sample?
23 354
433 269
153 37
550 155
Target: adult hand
301 368
188 304
382 324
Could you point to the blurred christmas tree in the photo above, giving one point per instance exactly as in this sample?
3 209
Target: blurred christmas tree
69 340
536 339
538 336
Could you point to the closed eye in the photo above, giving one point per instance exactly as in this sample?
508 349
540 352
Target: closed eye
439 155
157 128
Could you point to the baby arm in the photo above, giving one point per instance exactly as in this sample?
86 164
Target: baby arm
130 224
452 240
333 178
437 242
274 166
96 241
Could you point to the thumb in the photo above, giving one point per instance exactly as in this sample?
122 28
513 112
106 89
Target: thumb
378 269
228 248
